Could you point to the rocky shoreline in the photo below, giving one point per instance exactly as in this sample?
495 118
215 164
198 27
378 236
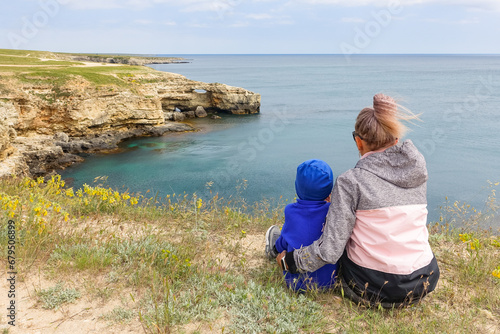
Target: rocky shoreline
44 154
49 118
125 60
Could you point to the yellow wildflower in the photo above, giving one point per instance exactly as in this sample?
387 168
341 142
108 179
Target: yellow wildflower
496 272
464 237
14 205
495 242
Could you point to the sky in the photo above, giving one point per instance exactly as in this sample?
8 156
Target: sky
252 26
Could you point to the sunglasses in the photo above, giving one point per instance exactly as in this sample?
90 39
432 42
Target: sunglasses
354 135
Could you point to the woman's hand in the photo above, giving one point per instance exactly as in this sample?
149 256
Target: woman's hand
280 258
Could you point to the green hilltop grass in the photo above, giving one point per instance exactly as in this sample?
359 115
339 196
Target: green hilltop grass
193 263
24 53
28 67
21 60
99 76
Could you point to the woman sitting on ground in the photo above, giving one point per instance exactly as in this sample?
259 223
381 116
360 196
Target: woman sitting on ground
376 224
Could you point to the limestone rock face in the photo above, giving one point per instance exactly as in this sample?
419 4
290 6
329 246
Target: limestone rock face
179 116
200 112
41 124
8 117
85 111
212 97
62 137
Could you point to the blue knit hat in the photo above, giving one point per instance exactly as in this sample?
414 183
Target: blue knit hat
314 181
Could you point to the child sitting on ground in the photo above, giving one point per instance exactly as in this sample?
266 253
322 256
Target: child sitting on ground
304 222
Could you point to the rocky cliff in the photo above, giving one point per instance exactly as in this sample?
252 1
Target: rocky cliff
123 59
49 115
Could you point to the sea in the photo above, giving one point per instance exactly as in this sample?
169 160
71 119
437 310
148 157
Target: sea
308 109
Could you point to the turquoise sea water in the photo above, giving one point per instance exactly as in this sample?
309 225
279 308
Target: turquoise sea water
309 105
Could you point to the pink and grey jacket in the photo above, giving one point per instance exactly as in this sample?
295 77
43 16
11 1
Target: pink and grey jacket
376 226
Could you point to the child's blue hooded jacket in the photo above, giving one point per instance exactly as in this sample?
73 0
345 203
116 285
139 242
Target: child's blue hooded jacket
304 222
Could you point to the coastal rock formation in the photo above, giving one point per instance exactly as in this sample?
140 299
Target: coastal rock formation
43 124
200 112
212 97
126 60
7 132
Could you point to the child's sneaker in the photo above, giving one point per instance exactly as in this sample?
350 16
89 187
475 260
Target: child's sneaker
272 234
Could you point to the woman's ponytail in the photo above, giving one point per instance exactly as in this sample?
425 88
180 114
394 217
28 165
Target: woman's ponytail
381 125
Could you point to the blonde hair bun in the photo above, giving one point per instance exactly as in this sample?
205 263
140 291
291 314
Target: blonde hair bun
384 105
381 125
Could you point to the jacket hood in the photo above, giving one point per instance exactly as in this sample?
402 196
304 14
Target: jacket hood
314 181
402 165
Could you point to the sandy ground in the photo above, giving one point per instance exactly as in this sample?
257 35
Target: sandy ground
85 315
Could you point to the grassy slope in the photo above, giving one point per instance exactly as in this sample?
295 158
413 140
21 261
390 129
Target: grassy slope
192 264
27 67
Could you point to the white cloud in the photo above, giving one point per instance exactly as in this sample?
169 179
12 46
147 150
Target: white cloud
197 25
225 5
352 20
209 6
347 3
263 16
169 23
473 20
107 4
477 4
110 21
240 25
143 22
91 4
273 19
285 22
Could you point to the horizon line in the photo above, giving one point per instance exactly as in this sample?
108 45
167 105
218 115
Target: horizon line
266 54
327 54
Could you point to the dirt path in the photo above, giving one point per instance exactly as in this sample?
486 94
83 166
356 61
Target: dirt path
83 316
